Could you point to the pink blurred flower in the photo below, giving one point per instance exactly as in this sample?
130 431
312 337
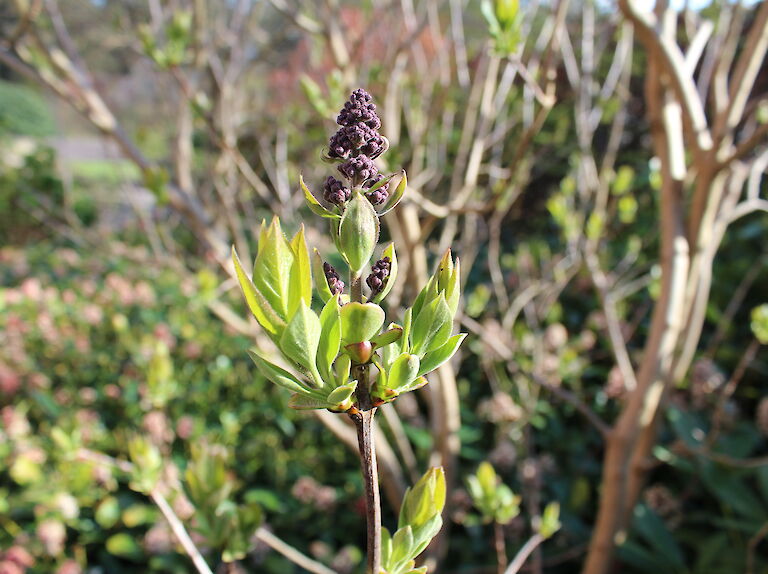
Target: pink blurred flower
13 296
32 288
52 535
163 333
20 556
15 423
10 380
93 314
145 294
69 567
185 426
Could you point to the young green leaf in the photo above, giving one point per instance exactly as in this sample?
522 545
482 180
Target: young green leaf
314 204
330 338
432 327
389 252
360 322
257 303
395 196
341 397
434 359
318 276
278 375
403 371
425 500
272 268
301 339
388 337
301 275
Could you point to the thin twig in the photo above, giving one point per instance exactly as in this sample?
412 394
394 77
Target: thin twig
291 553
525 551
180 532
500 546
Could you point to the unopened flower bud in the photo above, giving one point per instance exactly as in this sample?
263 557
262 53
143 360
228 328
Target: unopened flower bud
380 195
358 169
335 192
359 109
356 139
335 284
379 275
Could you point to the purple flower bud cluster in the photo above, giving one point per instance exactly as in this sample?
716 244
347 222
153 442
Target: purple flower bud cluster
378 277
358 141
359 109
380 195
335 192
358 169
335 284
358 137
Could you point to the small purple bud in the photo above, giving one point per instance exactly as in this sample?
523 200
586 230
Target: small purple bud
358 169
359 109
380 195
335 192
378 277
335 284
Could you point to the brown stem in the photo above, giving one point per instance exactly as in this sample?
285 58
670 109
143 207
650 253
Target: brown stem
501 547
363 419
364 423
356 287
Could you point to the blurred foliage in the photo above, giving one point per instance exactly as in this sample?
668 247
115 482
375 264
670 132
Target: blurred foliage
81 366
23 112
99 346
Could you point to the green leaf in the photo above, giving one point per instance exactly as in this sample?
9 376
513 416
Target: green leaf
506 12
403 371
318 275
314 204
342 366
341 397
655 532
278 375
259 306
389 251
424 534
487 477
622 182
486 8
108 512
759 323
301 339
407 324
427 294
330 337
358 232
379 184
402 543
453 287
272 268
360 322
388 337
432 327
301 274
124 545
395 196
386 547
434 359
425 500
550 520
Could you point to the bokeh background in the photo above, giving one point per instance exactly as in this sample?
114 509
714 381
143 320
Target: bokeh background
140 139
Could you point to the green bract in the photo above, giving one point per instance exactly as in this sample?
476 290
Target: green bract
358 232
